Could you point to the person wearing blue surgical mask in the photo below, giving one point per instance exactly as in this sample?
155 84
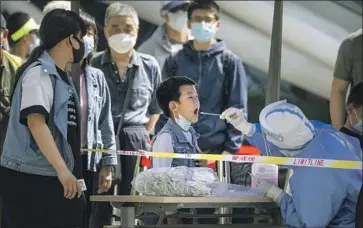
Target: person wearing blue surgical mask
318 197
204 24
207 59
97 130
170 36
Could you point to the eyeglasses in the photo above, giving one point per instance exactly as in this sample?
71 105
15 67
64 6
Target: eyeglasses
201 19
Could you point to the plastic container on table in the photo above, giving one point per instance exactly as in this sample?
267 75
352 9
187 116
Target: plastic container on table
266 172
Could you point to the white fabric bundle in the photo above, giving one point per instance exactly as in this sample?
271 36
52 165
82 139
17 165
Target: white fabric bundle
175 181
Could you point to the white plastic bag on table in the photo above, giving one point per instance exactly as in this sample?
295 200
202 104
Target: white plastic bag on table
184 181
175 181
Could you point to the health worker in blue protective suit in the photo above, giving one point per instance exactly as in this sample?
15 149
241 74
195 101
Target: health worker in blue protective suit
319 197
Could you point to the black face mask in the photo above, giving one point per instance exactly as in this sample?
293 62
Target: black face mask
78 54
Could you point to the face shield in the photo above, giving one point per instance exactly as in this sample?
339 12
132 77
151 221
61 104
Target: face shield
286 126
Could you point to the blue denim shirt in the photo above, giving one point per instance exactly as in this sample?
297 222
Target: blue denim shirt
20 151
100 129
206 69
147 77
180 143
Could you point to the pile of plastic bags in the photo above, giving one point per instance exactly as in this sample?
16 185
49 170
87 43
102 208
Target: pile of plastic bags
184 181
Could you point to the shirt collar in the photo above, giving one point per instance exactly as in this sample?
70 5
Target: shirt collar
48 63
135 58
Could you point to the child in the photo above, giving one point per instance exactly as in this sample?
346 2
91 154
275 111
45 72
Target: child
178 98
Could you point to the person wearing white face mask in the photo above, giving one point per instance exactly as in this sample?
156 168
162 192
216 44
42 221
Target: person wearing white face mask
353 127
97 125
132 78
8 66
169 37
23 37
319 197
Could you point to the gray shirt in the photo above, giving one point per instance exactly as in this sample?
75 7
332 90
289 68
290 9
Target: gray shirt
348 66
147 77
159 46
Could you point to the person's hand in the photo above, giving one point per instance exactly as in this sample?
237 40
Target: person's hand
70 184
236 117
271 190
104 179
226 153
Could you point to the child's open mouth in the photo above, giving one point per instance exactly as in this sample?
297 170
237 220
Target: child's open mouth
196 111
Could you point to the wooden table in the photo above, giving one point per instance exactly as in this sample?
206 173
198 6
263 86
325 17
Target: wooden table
135 205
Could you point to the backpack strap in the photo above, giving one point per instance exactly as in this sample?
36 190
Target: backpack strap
227 64
174 64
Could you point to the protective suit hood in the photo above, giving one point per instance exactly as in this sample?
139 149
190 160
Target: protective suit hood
286 126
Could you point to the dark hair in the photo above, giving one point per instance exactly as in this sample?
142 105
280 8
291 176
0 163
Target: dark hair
15 22
204 5
356 95
169 90
56 26
90 23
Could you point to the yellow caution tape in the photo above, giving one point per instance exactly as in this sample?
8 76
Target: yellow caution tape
306 162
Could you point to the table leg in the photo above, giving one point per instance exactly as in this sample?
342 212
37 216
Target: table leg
1 219
223 170
128 217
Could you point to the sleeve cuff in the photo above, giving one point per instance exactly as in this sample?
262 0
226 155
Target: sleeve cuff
252 130
110 160
36 109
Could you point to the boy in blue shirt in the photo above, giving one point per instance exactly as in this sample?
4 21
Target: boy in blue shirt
178 98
